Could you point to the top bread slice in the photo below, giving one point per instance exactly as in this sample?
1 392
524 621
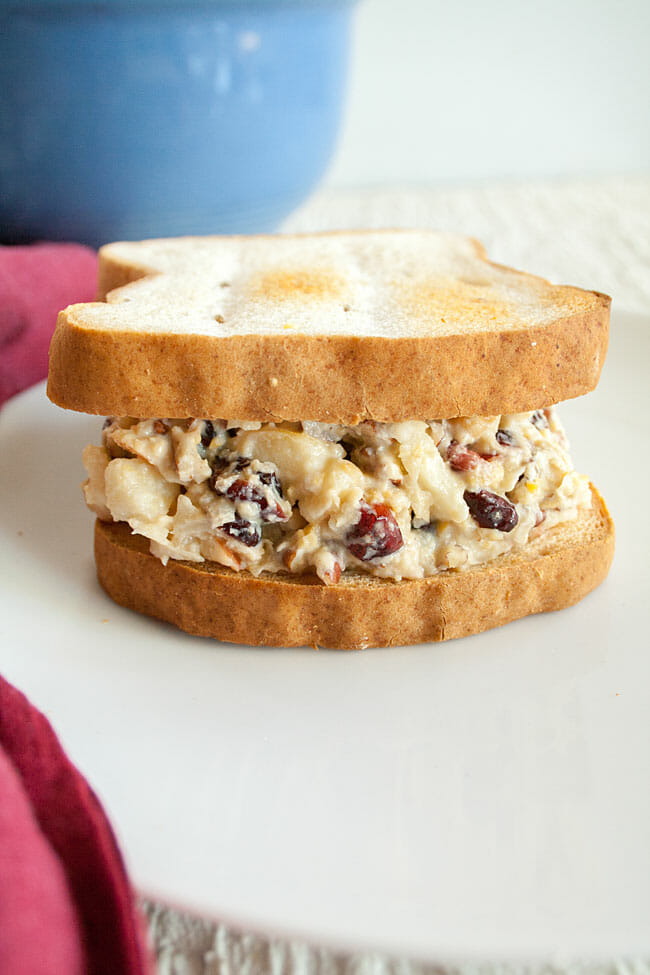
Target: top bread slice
335 327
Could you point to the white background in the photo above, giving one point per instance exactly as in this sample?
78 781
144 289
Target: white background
467 91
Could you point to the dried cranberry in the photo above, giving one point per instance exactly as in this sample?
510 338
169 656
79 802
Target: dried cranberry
538 419
505 438
461 458
244 531
208 433
491 510
241 490
375 534
246 488
270 478
219 465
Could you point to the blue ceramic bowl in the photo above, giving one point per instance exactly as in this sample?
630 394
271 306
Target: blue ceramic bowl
123 120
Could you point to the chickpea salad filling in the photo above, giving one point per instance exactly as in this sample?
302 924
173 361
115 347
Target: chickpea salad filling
392 500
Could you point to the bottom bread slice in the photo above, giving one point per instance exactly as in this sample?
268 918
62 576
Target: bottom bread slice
555 570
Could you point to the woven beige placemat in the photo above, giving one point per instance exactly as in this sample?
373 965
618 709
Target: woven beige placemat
188 945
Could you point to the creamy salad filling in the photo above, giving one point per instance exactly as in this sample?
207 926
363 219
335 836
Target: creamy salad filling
393 500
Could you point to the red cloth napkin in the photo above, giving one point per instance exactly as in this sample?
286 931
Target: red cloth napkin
36 282
66 906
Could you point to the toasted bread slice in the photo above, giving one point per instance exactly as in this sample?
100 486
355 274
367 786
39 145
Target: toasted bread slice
337 327
555 570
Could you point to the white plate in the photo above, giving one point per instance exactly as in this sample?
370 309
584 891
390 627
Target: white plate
485 798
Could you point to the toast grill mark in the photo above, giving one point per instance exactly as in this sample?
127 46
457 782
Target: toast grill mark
454 303
283 285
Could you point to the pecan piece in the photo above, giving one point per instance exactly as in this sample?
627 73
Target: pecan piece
331 577
461 458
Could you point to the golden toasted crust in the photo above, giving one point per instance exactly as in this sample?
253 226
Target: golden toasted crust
497 364
205 599
337 379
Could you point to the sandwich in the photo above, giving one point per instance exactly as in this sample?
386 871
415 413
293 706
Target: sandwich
338 440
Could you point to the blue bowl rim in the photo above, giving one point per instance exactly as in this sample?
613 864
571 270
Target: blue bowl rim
27 6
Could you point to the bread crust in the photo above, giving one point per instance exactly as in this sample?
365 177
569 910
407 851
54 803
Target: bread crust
337 378
205 599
